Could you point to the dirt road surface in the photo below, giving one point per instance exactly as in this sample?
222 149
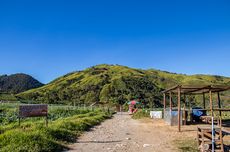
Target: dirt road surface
124 134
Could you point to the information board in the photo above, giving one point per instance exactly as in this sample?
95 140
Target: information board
33 110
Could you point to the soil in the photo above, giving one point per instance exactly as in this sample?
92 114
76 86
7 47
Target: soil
124 134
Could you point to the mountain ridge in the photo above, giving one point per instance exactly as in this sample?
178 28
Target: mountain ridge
114 84
16 83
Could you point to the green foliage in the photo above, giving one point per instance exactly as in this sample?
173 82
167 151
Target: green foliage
16 83
9 113
114 84
141 114
7 97
31 141
33 136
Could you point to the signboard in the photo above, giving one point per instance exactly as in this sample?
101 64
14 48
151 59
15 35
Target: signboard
37 110
33 110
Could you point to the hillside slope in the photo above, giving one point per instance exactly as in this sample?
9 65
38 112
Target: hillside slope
114 83
17 83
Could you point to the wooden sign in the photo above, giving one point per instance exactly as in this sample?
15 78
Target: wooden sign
33 110
37 110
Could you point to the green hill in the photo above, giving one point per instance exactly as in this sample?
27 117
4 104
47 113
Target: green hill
114 84
17 83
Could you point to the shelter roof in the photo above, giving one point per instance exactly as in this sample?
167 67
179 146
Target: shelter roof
197 89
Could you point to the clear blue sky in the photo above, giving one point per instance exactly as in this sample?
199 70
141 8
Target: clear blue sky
47 39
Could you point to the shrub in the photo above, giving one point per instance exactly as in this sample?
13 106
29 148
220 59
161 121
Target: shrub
140 114
35 137
33 141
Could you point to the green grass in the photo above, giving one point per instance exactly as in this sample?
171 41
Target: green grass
9 112
7 97
141 114
65 125
186 145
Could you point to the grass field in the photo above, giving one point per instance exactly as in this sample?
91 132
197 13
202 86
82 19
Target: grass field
65 125
7 97
186 145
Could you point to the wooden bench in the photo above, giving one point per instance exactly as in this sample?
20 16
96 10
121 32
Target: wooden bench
208 120
204 138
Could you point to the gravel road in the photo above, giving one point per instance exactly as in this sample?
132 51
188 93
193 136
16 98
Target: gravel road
124 134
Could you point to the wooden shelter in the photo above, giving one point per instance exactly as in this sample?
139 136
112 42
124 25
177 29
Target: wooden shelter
184 90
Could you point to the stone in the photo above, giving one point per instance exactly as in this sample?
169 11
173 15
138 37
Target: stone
146 145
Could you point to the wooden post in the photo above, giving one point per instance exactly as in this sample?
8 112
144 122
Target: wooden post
46 121
204 106
219 105
210 102
189 111
179 108
170 100
184 112
164 103
19 121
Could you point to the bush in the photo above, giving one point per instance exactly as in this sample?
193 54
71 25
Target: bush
34 137
32 141
140 114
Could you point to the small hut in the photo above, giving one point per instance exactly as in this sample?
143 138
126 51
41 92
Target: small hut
182 91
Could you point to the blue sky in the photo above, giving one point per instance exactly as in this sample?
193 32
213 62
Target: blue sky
47 39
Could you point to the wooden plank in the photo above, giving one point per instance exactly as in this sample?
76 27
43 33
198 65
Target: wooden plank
170 89
219 105
184 112
216 109
222 109
210 102
197 89
210 142
179 109
198 136
208 127
33 110
205 137
204 106
170 100
194 86
164 103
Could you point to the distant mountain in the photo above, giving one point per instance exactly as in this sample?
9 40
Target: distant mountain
115 84
17 83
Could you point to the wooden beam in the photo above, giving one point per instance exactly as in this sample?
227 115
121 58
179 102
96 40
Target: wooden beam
184 112
170 100
197 89
204 106
210 102
170 89
179 108
219 105
164 103
228 109
194 90
194 86
216 109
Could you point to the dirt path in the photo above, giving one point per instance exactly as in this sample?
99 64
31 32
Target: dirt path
123 134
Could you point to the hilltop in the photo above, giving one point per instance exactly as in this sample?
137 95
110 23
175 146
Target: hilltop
16 83
114 84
